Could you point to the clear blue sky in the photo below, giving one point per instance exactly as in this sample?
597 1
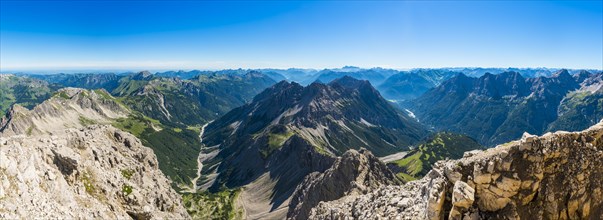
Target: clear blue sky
135 35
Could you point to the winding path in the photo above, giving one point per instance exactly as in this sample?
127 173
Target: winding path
200 159
393 157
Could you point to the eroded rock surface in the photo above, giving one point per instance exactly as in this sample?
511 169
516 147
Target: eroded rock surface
66 169
69 108
555 176
355 172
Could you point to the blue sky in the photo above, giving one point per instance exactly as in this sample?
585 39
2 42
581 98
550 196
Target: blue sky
156 35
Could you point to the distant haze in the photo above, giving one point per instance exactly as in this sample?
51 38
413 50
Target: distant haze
169 35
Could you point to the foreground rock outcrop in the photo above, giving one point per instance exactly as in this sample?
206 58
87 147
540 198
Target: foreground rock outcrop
555 176
55 164
355 172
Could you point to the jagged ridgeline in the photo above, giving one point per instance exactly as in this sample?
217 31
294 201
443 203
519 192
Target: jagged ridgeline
169 112
25 91
165 113
344 114
107 81
191 102
289 131
555 176
63 159
495 109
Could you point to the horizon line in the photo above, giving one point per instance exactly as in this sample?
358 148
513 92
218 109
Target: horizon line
158 70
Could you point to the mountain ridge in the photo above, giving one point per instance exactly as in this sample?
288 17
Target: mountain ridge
557 175
315 123
497 108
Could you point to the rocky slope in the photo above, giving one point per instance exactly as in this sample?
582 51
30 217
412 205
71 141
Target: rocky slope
27 92
195 101
344 114
62 159
443 145
165 113
374 75
555 176
495 109
288 131
355 172
68 108
107 81
412 84
582 107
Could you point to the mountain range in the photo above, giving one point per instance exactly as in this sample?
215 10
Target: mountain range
296 143
495 109
289 131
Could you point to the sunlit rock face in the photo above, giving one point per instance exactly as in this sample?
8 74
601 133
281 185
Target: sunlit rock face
555 176
63 160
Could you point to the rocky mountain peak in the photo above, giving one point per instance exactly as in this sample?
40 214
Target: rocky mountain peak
254 73
503 84
98 172
317 122
69 107
563 73
280 87
355 172
350 82
555 176
460 84
317 105
63 159
581 76
142 75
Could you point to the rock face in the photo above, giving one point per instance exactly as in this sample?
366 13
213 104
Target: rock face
26 91
68 108
67 168
107 81
495 109
410 85
195 101
355 172
556 176
269 145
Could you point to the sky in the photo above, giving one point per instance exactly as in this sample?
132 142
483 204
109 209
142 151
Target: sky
172 35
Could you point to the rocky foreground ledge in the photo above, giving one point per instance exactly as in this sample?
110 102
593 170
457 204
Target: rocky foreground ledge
53 164
555 176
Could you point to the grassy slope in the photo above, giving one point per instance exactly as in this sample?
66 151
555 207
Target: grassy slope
190 102
578 111
24 91
440 146
176 147
205 205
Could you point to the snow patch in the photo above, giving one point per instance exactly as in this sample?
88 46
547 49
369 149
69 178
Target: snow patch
234 126
411 114
366 123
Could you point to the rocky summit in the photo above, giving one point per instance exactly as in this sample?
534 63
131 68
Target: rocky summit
54 163
355 172
268 146
555 176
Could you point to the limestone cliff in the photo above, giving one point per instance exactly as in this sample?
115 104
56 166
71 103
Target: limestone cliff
54 163
555 176
355 172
